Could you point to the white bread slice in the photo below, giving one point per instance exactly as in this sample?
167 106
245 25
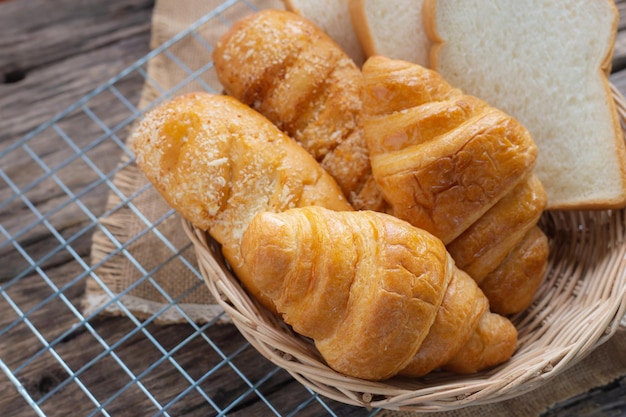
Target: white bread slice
333 17
546 63
394 29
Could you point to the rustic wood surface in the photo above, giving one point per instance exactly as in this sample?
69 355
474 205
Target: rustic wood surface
52 53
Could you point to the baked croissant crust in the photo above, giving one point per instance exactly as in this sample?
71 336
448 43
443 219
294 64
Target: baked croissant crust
219 163
441 158
484 245
289 70
511 287
372 291
453 165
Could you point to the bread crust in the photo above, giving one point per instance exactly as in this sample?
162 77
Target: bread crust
512 286
361 26
484 245
461 309
392 30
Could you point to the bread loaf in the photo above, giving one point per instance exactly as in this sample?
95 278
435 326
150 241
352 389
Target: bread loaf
546 63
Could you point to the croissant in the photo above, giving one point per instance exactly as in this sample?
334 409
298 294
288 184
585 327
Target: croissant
288 69
511 287
378 296
218 163
484 245
453 165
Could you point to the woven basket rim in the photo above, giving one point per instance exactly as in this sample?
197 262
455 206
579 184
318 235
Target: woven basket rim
578 307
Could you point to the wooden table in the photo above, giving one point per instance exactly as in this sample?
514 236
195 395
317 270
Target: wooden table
51 55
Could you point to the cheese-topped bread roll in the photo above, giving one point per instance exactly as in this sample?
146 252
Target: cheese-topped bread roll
219 163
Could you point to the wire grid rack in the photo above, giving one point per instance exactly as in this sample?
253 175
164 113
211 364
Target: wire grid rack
206 363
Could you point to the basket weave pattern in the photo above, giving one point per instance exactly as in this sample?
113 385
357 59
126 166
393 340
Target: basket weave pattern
578 306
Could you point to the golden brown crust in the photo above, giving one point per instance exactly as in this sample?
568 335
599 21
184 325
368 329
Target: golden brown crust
512 286
484 245
359 285
218 163
445 158
369 289
370 198
493 342
289 70
393 85
429 11
462 307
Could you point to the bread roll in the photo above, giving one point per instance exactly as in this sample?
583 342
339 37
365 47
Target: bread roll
288 69
219 163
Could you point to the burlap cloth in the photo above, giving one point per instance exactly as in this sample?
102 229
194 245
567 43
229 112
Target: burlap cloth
151 250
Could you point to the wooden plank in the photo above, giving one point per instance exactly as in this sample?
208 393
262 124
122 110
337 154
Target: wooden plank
59 66
53 53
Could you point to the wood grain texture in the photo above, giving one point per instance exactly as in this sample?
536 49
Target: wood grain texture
52 53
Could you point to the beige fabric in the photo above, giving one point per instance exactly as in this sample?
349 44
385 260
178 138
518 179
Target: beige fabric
168 73
165 74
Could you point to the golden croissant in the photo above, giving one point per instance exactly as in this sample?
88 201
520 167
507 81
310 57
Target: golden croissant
219 163
453 165
289 70
378 296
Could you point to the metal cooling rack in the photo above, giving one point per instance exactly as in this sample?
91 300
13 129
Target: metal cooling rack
200 356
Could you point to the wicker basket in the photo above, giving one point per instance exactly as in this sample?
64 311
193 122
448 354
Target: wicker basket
578 307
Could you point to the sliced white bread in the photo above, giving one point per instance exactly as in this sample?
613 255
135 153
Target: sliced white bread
394 29
333 17
546 63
